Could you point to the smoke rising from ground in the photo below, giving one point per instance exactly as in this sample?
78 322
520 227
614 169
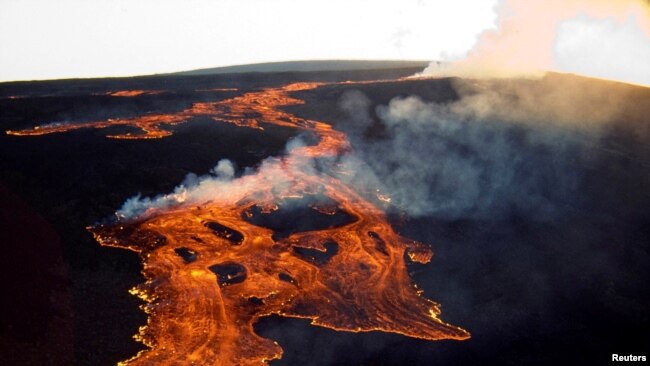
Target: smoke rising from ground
193 189
220 183
458 161
606 39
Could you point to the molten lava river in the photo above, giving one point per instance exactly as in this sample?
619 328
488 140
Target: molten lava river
286 240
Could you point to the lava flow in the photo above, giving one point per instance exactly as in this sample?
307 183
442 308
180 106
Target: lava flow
286 240
150 125
133 93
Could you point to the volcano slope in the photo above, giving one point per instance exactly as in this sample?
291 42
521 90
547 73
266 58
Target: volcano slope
531 193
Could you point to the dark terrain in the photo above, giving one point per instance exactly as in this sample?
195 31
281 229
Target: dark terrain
558 282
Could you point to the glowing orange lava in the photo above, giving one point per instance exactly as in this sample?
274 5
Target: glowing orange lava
213 268
133 93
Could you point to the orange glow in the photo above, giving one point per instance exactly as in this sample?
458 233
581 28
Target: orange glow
133 93
149 125
211 273
243 110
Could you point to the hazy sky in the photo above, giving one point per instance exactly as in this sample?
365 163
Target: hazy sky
84 38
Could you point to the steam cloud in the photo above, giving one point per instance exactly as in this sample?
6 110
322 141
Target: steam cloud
607 39
506 147
193 189
458 161
220 183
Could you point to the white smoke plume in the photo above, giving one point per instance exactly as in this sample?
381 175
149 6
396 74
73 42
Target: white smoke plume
193 189
503 147
220 183
599 38
603 48
438 162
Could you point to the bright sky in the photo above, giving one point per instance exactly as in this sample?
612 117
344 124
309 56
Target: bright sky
90 38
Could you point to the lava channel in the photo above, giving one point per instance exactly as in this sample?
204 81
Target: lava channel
214 267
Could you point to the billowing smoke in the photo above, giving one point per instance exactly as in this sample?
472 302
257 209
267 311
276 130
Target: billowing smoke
503 148
605 48
458 161
220 183
224 169
606 39
514 146
193 189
